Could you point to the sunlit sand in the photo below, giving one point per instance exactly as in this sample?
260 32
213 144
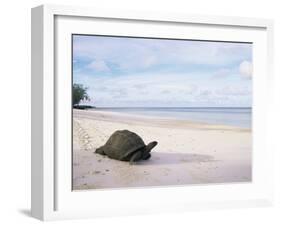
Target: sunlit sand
187 152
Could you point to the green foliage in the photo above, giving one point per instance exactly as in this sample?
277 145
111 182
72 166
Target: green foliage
79 92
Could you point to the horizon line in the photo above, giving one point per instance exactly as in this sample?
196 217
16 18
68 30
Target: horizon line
170 107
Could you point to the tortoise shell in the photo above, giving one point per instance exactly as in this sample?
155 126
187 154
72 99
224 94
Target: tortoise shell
124 145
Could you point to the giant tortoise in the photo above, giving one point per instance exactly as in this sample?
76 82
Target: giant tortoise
125 145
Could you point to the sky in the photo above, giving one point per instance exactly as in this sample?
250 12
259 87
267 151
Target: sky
138 72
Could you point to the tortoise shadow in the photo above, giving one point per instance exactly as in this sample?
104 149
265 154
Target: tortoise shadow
163 158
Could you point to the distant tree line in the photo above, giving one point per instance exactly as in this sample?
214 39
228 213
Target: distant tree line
79 93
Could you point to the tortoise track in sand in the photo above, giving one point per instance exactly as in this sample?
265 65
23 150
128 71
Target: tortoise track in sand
84 138
86 141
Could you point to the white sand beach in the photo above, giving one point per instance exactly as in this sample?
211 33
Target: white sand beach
187 152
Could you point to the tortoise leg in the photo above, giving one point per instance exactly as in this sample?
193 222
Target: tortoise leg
135 157
100 151
146 155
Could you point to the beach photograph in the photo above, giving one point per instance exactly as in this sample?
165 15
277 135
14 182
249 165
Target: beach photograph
150 112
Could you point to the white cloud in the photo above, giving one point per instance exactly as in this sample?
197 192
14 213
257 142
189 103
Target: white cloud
246 69
222 73
133 54
150 72
99 66
234 90
158 90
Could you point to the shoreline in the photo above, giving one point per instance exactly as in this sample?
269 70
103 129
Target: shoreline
96 114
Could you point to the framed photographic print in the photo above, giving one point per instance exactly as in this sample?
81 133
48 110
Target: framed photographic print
138 113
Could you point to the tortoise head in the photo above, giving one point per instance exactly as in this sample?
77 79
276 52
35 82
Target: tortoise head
150 146
143 153
146 153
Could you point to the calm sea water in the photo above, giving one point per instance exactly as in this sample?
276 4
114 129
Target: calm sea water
240 117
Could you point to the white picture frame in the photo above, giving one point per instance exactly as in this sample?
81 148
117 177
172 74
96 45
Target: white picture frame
52 197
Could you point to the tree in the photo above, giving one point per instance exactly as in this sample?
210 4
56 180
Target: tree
79 92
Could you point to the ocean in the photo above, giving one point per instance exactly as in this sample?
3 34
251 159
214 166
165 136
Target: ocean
239 117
